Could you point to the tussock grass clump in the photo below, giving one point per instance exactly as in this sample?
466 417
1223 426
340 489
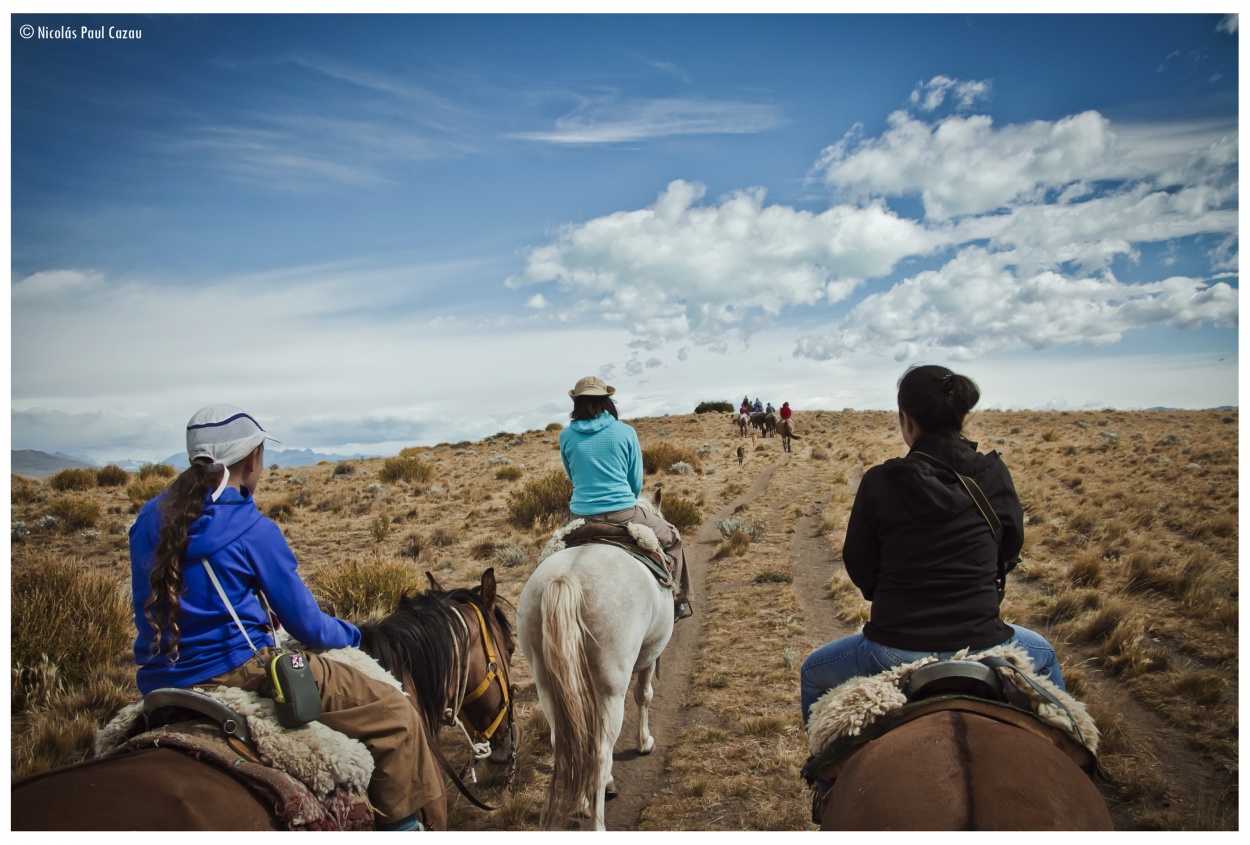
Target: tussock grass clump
72 479
736 524
511 555
360 588
773 576
508 473
21 490
111 476
69 617
554 426
157 471
1086 570
74 513
380 528
145 489
410 469
541 499
682 513
735 545
443 537
345 468
659 457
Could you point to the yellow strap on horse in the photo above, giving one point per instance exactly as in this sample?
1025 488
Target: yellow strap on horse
491 676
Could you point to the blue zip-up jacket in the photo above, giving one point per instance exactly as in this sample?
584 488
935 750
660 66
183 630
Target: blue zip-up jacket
604 461
247 552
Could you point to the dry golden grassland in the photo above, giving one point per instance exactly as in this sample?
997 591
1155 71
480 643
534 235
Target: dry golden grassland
1129 568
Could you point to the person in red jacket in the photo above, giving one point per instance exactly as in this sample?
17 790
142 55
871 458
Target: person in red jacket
786 413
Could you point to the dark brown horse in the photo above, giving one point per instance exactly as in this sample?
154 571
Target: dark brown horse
452 648
957 770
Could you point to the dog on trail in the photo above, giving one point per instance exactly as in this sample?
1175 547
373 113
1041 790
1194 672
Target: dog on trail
742 453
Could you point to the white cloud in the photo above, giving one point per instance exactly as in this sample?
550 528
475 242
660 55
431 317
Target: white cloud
1029 222
976 305
678 269
928 96
537 301
598 122
963 165
1227 24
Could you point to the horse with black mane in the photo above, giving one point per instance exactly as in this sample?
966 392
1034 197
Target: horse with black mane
452 651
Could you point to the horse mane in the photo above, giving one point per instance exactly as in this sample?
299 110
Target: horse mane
425 637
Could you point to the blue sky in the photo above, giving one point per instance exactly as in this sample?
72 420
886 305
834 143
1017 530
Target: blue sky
379 230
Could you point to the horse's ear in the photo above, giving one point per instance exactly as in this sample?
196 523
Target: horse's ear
488 589
659 494
434 585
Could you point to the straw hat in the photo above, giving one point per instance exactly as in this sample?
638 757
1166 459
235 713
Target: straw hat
591 386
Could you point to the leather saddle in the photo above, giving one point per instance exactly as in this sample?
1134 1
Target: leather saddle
963 685
618 535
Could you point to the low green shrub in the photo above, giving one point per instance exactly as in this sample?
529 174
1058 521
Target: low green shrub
74 513
659 457
73 479
143 489
410 468
714 407
359 589
682 513
541 498
508 473
111 476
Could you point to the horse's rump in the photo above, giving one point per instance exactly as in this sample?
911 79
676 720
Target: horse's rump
956 770
185 778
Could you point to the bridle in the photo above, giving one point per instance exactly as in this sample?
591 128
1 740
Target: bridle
479 740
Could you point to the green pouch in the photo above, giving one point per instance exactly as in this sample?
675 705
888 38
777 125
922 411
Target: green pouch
295 693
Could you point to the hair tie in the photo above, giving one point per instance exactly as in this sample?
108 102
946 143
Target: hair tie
948 383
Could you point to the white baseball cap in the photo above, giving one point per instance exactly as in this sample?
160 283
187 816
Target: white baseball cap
223 434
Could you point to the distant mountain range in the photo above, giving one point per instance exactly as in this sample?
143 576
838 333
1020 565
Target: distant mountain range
33 464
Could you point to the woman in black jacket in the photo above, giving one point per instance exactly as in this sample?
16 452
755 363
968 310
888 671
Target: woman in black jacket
921 546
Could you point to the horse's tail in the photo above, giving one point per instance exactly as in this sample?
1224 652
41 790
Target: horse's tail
577 717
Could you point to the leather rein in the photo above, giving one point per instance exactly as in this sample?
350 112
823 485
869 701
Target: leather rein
478 738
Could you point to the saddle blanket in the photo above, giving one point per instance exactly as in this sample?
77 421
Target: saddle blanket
848 709
322 759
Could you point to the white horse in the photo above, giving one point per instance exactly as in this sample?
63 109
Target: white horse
588 619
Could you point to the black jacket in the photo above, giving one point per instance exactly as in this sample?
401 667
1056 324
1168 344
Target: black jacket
919 549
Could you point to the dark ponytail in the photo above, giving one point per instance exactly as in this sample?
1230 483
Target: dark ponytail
937 398
182 505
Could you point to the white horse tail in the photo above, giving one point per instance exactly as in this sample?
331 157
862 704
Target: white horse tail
577 717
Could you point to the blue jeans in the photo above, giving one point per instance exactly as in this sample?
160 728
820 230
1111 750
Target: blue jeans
856 655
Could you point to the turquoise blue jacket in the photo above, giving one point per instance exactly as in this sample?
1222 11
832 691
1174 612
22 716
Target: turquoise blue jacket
604 461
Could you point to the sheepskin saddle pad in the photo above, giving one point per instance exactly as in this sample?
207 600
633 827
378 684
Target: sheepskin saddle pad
329 764
852 709
639 540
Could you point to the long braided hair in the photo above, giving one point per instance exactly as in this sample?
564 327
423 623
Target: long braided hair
182 505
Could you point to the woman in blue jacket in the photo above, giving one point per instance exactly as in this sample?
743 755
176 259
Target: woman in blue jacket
188 637
603 459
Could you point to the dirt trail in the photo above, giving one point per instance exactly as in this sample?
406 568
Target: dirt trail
638 777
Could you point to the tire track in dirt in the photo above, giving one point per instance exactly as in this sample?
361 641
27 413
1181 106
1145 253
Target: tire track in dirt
637 776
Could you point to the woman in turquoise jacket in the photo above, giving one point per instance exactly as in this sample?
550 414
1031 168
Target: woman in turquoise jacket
603 459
